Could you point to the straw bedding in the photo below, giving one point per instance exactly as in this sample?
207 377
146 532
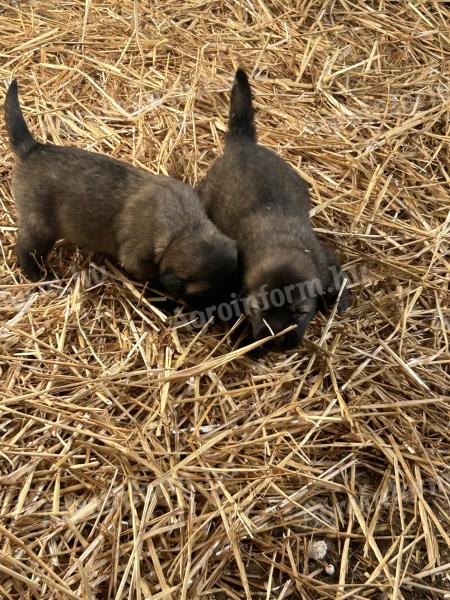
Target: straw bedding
140 460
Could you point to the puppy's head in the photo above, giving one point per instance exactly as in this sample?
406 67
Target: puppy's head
200 266
268 320
282 294
280 298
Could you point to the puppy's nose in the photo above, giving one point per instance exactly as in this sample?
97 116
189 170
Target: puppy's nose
288 341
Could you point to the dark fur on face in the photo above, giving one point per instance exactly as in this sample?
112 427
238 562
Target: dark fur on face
154 225
257 198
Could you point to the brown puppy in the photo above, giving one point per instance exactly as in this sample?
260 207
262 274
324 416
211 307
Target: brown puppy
257 198
154 225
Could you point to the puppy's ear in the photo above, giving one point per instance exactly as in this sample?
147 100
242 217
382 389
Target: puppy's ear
240 261
173 283
259 328
333 284
197 287
304 311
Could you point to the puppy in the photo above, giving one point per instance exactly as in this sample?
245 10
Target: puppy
257 198
154 225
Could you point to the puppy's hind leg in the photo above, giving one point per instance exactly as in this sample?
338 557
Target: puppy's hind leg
31 249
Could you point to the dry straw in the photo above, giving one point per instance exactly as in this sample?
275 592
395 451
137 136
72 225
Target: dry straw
143 461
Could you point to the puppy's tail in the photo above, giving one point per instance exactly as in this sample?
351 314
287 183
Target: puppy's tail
240 124
19 135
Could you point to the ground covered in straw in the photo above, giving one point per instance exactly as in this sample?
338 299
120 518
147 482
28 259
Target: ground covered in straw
142 461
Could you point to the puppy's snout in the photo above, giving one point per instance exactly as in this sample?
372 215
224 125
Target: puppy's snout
266 326
286 341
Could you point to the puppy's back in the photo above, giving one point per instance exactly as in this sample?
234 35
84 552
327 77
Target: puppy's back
248 180
77 190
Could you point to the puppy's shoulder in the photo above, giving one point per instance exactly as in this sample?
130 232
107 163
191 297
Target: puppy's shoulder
173 197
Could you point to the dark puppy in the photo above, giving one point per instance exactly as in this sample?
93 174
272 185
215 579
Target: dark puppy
257 198
154 225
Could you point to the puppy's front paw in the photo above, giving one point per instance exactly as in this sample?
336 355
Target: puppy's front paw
31 250
29 265
34 272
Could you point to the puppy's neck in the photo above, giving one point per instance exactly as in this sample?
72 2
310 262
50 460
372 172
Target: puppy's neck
262 236
276 270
